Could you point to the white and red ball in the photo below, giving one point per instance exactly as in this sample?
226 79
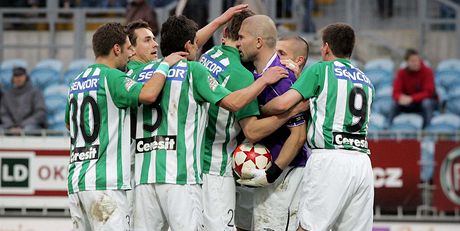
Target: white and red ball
252 156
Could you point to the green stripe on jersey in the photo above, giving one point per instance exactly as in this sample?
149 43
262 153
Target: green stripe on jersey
171 154
224 64
100 149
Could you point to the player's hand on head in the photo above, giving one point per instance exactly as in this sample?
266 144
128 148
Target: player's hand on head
274 74
175 57
291 65
228 14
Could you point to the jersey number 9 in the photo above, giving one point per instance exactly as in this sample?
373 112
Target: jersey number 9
359 111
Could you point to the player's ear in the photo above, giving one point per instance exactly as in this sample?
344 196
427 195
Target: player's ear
259 42
225 33
187 46
116 49
300 60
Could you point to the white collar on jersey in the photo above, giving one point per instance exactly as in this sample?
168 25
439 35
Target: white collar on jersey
269 62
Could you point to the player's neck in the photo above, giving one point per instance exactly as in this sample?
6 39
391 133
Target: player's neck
106 61
262 59
137 59
230 43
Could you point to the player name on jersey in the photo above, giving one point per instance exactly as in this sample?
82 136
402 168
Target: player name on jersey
84 85
177 72
353 74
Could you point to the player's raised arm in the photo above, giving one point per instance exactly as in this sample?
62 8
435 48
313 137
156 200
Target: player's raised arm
205 33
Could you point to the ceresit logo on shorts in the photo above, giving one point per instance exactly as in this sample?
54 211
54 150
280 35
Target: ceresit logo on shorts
450 176
155 143
84 153
355 140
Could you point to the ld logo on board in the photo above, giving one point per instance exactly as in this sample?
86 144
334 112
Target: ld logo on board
14 172
450 176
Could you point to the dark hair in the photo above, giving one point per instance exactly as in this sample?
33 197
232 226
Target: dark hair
341 39
106 36
175 32
234 25
306 47
409 53
18 71
132 26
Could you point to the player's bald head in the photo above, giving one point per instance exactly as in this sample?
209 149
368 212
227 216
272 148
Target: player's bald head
262 26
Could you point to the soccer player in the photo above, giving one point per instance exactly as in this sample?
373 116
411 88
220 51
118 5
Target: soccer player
275 202
293 51
97 113
338 187
224 64
170 140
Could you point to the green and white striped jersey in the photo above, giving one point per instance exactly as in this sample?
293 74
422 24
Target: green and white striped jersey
224 64
340 104
169 134
97 112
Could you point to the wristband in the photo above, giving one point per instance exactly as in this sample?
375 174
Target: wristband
163 68
273 173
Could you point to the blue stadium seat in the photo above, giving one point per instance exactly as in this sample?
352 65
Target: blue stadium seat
453 105
44 77
71 74
10 63
449 64
55 97
377 122
407 122
379 77
444 123
79 64
5 78
382 64
447 78
383 105
53 64
57 121
442 94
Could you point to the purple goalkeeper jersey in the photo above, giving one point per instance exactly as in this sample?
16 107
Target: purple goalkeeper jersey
275 141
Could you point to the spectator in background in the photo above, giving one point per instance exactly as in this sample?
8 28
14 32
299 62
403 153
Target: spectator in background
140 9
22 107
414 89
385 8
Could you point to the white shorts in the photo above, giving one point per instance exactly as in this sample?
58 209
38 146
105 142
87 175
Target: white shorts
337 191
100 210
163 206
243 207
218 202
276 206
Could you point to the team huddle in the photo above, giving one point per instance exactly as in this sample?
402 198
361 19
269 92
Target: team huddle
151 148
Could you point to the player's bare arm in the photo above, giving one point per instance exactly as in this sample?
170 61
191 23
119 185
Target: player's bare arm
292 146
152 88
282 103
205 33
238 99
256 129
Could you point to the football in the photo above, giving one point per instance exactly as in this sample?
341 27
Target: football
251 156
